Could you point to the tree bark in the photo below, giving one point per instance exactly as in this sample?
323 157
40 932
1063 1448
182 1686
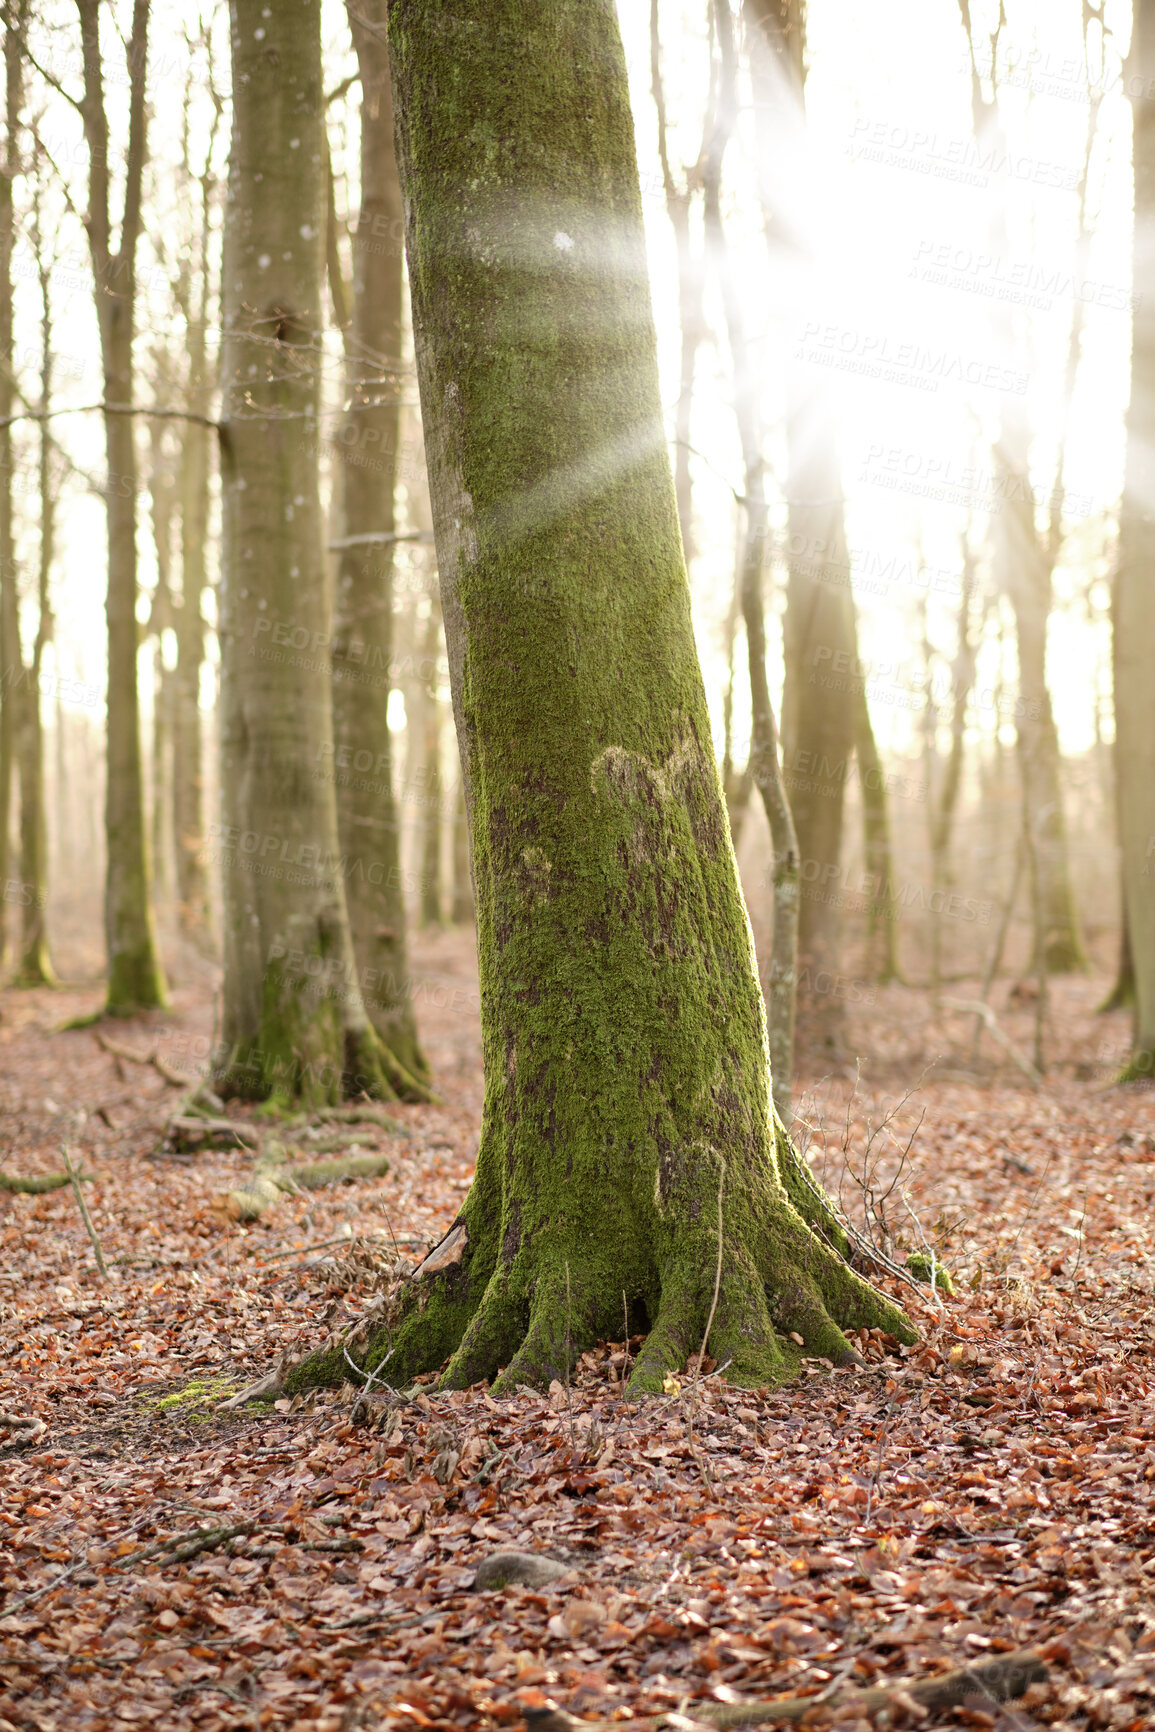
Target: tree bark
1025 563
11 660
294 1025
819 707
1122 993
430 807
163 497
944 802
188 621
691 320
363 610
462 869
1134 600
135 977
35 962
628 1147
764 763
881 922
1026 576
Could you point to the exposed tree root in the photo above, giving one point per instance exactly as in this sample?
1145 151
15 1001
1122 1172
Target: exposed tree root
38 1183
366 1114
371 1068
776 1292
177 1079
999 1680
293 1082
274 1177
191 1132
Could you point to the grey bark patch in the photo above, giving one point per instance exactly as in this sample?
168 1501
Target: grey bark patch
525 1569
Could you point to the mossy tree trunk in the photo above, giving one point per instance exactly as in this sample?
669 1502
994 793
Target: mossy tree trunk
462 870
1134 600
627 1110
430 806
135 978
294 1025
367 448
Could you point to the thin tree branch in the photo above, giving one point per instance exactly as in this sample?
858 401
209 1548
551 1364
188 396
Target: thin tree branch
112 409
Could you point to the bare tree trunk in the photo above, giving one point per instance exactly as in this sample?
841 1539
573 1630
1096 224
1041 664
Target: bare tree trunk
1122 993
1025 565
1026 576
944 802
162 491
1133 614
294 1025
188 623
35 963
881 925
819 703
691 320
367 452
736 784
11 661
766 771
188 801
135 978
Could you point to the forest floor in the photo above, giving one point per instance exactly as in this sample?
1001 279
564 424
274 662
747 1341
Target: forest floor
991 1489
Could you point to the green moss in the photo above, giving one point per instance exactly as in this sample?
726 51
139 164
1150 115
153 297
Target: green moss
1140 1068
1120 997
135 978
324 1370
201 1394
921 1267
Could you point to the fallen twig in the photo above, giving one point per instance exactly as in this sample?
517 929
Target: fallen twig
74 1176
976 1007
79 1563
181 1547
